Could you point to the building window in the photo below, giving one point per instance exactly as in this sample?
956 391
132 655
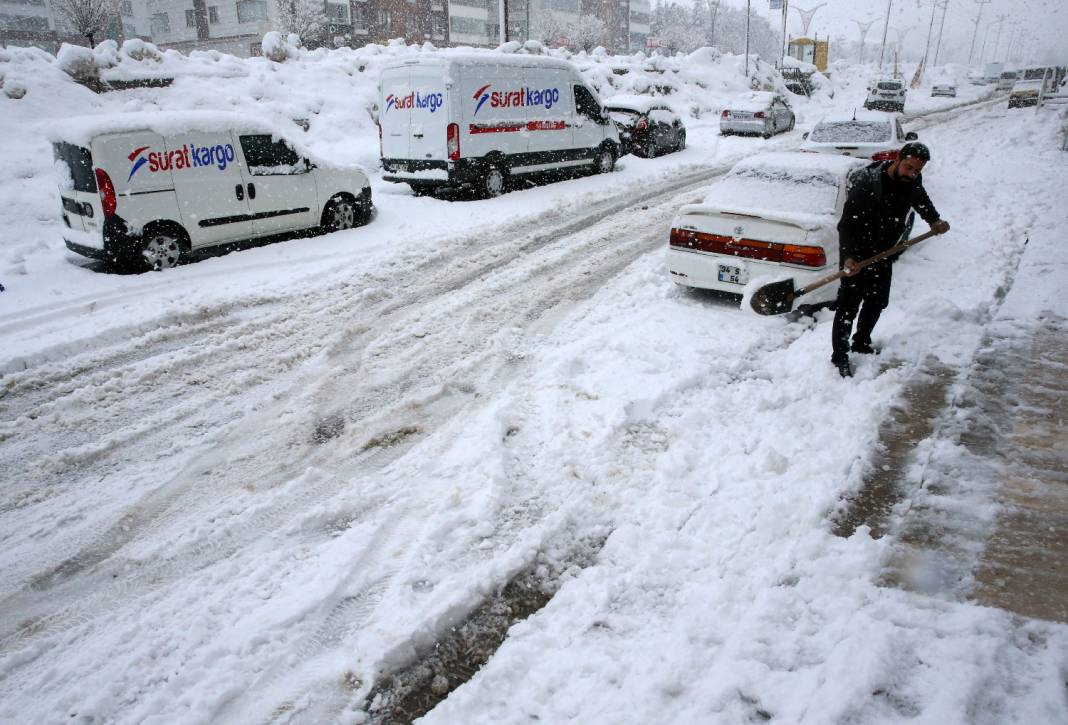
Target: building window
23 22
190 18
467 26
213 14
126 8
160 23
385 21
337 14
249 11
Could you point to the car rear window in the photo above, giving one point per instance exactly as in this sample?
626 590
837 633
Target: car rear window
787 190
851 132
625 116
77 162
889 86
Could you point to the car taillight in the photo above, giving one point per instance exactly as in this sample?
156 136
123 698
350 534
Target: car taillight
804 256
108 200
642 124
885 156
758 114
454 142
725 114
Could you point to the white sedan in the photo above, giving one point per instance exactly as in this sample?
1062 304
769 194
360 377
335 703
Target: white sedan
774 215
866 134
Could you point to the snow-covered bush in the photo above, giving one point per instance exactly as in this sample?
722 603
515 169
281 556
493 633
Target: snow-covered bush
79 63
138 50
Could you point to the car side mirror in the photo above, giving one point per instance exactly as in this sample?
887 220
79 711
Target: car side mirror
911 136
804 136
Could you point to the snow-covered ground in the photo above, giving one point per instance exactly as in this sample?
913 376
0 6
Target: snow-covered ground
241 490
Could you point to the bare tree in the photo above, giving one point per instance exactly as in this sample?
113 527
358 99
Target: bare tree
549 29
306 18
87 17
587 33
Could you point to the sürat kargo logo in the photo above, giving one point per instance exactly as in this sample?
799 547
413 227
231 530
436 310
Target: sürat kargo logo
546 97
429 101
188 156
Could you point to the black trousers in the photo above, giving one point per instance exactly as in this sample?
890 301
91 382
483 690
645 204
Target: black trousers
867 292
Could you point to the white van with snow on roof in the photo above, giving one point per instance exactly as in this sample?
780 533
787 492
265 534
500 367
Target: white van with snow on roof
477 119
144 190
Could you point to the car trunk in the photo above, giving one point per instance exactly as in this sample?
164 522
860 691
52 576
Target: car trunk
82 210
760 237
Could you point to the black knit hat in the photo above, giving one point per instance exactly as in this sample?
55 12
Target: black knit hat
916 150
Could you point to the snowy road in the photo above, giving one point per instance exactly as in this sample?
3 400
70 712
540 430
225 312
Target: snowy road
242 505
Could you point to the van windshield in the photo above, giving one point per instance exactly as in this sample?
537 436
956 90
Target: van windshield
851 132
78 162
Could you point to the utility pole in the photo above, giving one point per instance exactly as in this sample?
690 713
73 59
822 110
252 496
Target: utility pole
978 18
863 28
941 26
504 20
982 48
930 29
748 3
713 5
785 12
886 26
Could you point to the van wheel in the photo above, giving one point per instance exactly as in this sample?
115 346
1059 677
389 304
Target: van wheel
682 141
493 182
162 249
340 213
606 160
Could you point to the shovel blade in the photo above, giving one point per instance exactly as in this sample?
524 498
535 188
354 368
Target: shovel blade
774 299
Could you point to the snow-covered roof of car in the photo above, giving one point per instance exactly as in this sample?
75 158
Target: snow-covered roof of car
863 116
752 101
641 104
486 56
81 130
789 187
799 163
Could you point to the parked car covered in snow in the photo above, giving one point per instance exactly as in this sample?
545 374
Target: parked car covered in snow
1007 79
945 90
865 134
774 214
757 112
886 94
464 119
1026 93
144 190
647 126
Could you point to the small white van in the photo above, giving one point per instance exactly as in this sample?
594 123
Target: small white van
144 190
886 94
476 119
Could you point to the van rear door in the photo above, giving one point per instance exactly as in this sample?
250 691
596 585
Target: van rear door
394 118
77 190
428 116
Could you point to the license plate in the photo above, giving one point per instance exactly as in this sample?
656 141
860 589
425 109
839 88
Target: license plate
733 275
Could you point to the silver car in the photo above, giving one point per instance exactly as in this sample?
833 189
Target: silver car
946 90
757 113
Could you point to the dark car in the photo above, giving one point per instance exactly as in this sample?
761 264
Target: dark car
647 127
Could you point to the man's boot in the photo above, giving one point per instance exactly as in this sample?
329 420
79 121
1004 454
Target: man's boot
843 367
864 348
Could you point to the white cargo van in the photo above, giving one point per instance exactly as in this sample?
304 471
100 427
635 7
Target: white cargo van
143 190
477 119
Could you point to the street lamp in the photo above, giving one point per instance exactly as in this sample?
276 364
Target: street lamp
886 26
863 28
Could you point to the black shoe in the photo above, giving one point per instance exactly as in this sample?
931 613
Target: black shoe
843 368
864 348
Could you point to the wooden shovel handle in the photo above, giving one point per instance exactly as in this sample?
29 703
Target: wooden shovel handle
896 249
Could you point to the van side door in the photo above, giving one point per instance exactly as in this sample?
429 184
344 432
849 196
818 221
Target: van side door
208 186
550 110
279 185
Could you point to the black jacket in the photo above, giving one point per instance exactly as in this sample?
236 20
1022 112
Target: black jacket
876 211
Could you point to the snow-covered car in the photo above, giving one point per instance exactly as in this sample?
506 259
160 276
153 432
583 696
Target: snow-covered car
758 112
886 94
1025 93
774 215
865 134
945 90
145 190
647 127
1007 79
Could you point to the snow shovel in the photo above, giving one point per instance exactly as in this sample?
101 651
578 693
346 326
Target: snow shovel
778 297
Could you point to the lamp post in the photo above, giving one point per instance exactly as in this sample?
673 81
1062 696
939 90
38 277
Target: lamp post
886 26
941 26
978 17
863 28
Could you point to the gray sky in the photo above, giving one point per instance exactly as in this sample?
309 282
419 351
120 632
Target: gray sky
1043 22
